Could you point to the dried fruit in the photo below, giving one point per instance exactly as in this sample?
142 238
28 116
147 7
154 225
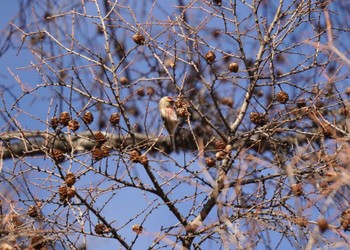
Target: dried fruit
123 80
64 118
257 118
69 179
228 101
114 119
297 189
54 122
100 137
210 56
139 38
88 118
210 162
99 153
220 145
300 221
140 91
62 191
74 125
100 229
233 67
137 228
57 155
33 211
282 97
322 224
150 91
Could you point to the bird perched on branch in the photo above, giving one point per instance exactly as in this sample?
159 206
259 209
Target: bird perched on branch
169 116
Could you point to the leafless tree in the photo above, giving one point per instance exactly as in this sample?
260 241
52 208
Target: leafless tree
262 146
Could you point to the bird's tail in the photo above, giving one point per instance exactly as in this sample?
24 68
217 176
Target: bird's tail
172 139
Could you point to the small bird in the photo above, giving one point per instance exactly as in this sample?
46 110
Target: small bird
169 116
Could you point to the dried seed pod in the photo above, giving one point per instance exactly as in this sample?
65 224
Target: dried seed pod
100 229
282 97
73 125
170 63
182 112
300 221
70 192
33 211
233 67
297 189
64 118
139 38
228 101
114 119
143 160
88 118
150 91
220 145
210 162
99 153
345 219
69 179
62 191
257 118
140 91
38 242
210 56
322 224
220 155
135 156
100 137
54 122
123 80
137 228
57 155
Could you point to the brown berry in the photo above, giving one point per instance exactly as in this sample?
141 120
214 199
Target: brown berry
88 118
210 162
33 211
100 228
140 91
220 145
300 221
139 39
100 137
233 67
124 81
69 179
54 122
228 101
57 155
282 97
73 125
210 56
99 153
322 224
170 63
150 91
70 192
62 191
137 228
114 119
135 156
64 118
256 118
297 189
